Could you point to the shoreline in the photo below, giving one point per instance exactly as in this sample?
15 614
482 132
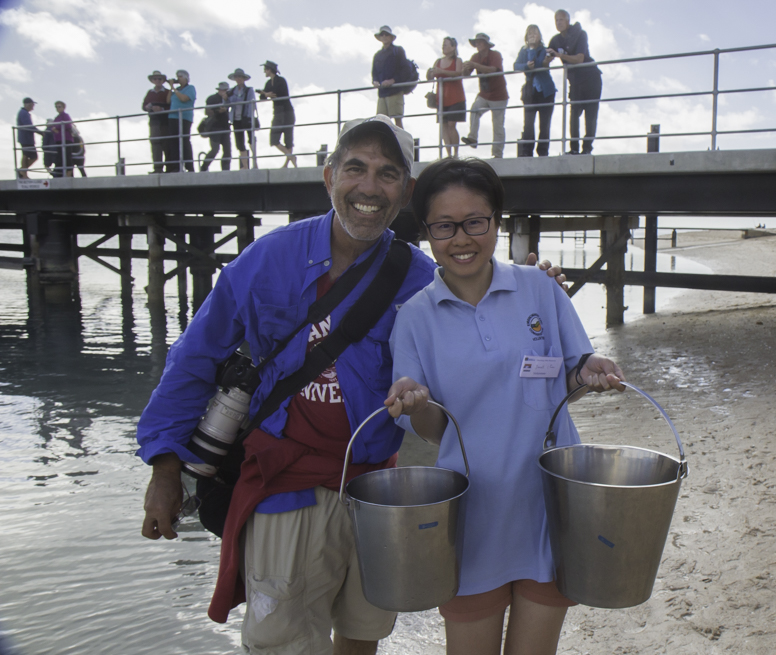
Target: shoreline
709 361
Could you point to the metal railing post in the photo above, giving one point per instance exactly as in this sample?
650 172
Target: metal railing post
180 140
339 112
64 148
118 139
714 97
15 159
565 105
440 112
251 136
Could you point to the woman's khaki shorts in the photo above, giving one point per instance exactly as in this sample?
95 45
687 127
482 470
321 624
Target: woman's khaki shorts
302 580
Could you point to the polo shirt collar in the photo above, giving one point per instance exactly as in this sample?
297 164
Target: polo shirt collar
503 280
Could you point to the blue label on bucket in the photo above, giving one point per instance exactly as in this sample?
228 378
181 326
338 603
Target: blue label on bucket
604 540
426 526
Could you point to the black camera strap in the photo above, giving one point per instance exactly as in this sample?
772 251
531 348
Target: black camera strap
322 307
359 319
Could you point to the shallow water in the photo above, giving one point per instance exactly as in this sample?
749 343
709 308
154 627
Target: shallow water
77 577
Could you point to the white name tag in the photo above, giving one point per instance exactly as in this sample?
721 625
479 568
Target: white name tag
540 367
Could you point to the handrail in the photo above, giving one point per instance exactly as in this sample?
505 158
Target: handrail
125 140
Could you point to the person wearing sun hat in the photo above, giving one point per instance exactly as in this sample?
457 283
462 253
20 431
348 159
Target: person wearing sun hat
385 69
243 114
155 102
493 94
283 117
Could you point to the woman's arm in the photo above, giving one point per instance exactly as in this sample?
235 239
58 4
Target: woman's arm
522 60
598 373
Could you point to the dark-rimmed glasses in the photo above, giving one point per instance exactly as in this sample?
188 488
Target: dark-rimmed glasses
474 227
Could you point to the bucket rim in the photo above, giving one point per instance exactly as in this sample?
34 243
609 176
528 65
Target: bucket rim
434 468
678 462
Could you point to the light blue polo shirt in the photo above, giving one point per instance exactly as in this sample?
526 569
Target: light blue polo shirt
469 357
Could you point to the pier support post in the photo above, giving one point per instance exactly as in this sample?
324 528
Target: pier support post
201 271
524 234
183 288
650 260
155 288
125 264
245 235
615 269
58 267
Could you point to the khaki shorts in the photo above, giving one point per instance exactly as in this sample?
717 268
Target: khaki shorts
391 106
302 580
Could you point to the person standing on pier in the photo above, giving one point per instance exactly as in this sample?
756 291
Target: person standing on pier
64 141
155 102
243 114
301 575
217 108
585 84
539 89
385 73
181 99
453 98
493 94
25 134
283 117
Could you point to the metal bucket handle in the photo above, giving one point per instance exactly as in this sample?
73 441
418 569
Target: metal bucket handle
343 499
550 438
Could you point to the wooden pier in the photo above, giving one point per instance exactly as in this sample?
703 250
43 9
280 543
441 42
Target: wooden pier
609 194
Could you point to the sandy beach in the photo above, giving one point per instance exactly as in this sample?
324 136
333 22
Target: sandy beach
709 360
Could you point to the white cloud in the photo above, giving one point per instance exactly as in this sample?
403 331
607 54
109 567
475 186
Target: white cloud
14 71
49 34
704 37
667 85
190 45
338 44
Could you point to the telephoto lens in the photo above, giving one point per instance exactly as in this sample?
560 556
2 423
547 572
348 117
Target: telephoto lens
224 418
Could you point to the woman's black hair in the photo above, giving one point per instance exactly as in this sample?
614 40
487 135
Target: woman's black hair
473 174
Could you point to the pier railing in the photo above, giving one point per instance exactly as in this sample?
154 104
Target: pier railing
127 135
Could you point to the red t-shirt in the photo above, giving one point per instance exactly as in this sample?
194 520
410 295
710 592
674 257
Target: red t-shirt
317 415
492 88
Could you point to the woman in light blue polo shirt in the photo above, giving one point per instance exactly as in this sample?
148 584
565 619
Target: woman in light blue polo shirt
463 341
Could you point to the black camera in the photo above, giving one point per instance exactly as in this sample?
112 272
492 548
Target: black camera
237 379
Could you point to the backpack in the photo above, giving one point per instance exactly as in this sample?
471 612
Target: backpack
406 71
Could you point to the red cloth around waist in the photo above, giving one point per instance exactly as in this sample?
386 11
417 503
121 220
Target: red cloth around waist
271 466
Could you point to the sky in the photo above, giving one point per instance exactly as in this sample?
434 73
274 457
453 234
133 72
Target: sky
96 56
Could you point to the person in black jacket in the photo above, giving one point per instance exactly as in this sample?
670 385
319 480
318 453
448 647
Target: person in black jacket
217 109
570 46
283 118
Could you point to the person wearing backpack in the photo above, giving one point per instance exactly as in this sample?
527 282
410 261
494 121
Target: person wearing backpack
385 73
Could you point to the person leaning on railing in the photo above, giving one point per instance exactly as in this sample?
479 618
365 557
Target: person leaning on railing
539 89
155 102
243 100
179 122
453 97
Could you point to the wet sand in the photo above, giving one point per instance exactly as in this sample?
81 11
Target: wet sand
710 361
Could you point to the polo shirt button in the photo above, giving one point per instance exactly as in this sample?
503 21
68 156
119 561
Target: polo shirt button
487 338
482 318
326 263
310 262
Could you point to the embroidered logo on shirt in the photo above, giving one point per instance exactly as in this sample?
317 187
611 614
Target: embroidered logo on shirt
534 324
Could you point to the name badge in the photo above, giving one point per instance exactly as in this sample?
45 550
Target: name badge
540 367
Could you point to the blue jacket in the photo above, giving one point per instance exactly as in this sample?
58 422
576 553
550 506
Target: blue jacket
260 298
541 79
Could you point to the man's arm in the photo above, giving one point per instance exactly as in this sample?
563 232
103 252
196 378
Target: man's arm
163 498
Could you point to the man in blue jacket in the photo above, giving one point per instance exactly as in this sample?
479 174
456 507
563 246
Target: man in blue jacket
25 134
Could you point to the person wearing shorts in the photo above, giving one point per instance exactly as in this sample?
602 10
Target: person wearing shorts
462 341
25 134
283 118
385 69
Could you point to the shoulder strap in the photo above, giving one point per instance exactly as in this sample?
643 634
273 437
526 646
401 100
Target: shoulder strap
359 319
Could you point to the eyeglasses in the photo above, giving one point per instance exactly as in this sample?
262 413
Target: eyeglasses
474 227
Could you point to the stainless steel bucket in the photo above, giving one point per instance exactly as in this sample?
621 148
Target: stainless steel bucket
408 525
609 509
